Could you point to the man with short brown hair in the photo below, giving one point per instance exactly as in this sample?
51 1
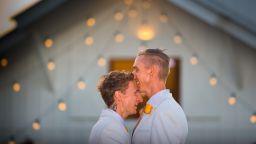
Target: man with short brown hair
120 93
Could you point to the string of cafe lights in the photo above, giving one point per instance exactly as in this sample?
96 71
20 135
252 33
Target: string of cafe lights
119 37
214 79
61 104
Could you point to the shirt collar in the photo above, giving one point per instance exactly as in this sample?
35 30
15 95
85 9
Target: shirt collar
157 98
115 115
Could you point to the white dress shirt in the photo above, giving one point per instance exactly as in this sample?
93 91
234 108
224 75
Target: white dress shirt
109 129
165 124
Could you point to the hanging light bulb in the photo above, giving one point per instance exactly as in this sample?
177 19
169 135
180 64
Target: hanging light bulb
145 32
101 61
128 2
118 16
232 99
62 106
48 43
119 37
12 140
146 4
36 125
4 62
89 40
51 65
213 80
81 84
132 12
253 118
163 17
194 59
177 38
90 22
16 87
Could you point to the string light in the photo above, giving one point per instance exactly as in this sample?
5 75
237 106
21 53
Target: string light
16 87
81 84
36 125
101 61
118 16
163 17
177 38
132 12
128 2
4 62
119 37
232 99
194 59
253 118
12 140
62 106
91 22
145 32
89 40
48 43
146 4
213 80
51 65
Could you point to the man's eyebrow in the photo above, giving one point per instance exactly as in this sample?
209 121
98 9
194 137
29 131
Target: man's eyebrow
134 67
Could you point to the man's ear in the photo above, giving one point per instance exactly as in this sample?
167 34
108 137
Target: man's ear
154 70
117 96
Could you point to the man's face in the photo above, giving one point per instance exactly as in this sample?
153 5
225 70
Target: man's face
131 98
141 73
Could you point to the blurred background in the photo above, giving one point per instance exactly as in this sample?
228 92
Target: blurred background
53 52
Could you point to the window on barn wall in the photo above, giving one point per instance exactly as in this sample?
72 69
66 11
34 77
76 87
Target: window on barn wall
173 81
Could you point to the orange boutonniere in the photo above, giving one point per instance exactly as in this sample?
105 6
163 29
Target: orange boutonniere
148 108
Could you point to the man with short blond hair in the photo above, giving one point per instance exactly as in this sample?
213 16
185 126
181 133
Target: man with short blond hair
163 120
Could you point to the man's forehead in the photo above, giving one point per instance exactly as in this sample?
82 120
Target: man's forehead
139 59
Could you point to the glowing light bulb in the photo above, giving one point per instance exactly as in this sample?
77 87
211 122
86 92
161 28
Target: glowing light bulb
132 12
62 106
213 80
232 99
163 17
146 4
12 140
51 65
101 61
4 62
91 22
194 60
145 32
119 37
118 16
177 39
128 2
89 40
81 84
253 118
16 87
36 125
48 43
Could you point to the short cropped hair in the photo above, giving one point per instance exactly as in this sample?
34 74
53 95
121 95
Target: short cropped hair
111 82
159 58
